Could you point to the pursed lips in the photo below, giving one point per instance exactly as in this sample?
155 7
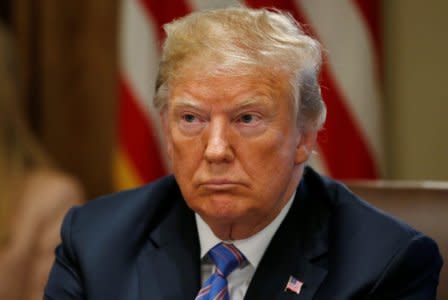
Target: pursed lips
220 184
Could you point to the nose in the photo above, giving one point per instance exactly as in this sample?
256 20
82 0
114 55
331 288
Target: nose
218 147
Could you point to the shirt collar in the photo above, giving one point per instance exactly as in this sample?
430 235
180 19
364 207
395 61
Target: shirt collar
253 247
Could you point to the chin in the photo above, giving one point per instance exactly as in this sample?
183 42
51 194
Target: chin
221 209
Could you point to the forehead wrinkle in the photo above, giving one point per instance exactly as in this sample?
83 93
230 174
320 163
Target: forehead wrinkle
186 102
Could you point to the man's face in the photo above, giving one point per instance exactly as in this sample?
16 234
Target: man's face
235 149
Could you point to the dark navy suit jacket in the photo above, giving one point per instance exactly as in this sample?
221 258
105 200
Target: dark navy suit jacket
143 244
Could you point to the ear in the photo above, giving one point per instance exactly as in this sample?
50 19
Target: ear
305 146
166 132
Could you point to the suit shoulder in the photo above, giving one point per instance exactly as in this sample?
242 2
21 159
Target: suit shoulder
356 220
355 210
124 210
365 240
416 267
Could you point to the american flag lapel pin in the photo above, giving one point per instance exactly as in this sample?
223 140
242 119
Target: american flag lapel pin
294 285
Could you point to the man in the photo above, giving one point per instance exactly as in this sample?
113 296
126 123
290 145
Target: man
242 217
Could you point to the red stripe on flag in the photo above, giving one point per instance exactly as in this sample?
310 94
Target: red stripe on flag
136 136
343 145
163 12
285 5
344 148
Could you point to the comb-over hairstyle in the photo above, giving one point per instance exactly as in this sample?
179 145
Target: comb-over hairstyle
240 41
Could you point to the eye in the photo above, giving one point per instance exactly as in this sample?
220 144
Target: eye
247 118
190 122
250 123
189 118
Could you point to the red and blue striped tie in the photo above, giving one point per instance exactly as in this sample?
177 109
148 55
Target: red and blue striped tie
226 258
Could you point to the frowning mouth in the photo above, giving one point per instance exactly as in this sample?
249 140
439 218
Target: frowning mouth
220 184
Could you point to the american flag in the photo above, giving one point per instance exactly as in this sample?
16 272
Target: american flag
350 145
294 285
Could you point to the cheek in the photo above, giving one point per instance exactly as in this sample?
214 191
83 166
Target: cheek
186 152
274 151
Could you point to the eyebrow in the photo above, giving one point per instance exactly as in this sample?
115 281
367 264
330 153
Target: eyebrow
253 101
186 102
193 103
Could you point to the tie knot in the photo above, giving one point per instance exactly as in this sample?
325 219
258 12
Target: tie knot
226 258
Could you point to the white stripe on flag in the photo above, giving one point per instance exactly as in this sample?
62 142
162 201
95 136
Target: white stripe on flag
139 53
351 57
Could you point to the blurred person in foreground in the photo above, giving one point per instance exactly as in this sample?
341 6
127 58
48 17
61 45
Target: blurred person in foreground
34 197
242 216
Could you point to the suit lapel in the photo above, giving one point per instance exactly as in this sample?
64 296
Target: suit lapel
169 266
297 249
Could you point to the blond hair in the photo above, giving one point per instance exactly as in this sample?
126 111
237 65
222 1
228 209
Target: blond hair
240 41
19 151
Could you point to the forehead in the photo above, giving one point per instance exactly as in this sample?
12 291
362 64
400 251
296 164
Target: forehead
220 89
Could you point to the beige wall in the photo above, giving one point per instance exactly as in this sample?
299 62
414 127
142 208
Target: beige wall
416 105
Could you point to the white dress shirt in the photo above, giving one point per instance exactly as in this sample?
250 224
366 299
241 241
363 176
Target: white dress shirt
253 249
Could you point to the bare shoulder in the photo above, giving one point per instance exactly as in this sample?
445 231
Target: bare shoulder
47 194
52 186
45 197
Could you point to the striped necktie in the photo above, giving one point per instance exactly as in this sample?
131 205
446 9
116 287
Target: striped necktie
226 258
